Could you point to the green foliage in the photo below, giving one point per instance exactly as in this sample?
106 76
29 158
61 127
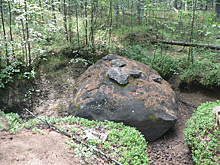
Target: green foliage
100 31
16 70
164 65
124 143
14 123
76 60
202 137
204 72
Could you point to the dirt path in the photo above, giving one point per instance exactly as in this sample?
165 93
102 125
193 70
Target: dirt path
27 147
171 149
53 99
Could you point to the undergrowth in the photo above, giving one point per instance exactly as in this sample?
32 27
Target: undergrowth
205 69
124 143
202 137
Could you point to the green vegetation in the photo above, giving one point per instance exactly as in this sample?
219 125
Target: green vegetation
201 135
205 70
42 35
125 144
90 29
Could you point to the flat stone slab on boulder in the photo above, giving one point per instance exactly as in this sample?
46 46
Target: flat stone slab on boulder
123 90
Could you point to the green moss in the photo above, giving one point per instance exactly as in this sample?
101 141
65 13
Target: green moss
154 117
74 90
114 101
132 81
78 104
121 86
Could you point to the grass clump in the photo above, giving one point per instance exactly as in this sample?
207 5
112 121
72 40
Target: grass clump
201 135
124 144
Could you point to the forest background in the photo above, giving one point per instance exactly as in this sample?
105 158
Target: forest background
177 38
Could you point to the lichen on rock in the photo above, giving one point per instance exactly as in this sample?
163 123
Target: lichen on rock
126 92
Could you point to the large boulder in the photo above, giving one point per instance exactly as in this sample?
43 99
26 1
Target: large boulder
123 90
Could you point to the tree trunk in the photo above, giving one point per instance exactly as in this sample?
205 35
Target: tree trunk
86 26
42 17
3 27
140 11
64 19
217 8
192 27
117 12
24 38
9 6
77 23
27 31
92 27
175 4
53 12
70 22
110 22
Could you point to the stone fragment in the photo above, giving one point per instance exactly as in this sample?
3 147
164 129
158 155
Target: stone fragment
118 63
135 73
156 78
120 77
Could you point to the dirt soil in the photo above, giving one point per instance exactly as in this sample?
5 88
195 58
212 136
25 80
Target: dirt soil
53 98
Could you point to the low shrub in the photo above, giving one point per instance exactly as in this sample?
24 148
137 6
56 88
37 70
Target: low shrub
201 135
124 143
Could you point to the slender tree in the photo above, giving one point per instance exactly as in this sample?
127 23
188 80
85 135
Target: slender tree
27 32
132 3
92 27
190 56
217 8
77 22
23 37
86 20
5 38
53 12
10 27
42 17
70 21
110 22
64 19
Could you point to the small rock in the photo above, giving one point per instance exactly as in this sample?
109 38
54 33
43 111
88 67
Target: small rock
110 57
118 63
135 73
120 77
156 78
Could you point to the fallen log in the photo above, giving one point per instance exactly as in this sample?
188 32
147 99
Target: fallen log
215 47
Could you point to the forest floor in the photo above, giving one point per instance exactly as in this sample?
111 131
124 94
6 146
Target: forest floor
27 147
